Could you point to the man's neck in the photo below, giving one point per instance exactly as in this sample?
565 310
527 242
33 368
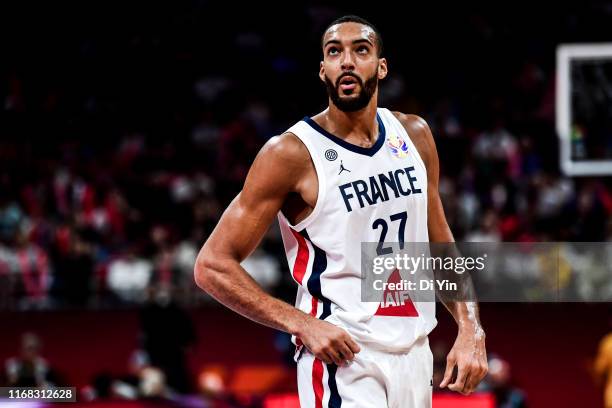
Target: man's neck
359 126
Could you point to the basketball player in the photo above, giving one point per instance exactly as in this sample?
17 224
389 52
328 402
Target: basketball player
336 180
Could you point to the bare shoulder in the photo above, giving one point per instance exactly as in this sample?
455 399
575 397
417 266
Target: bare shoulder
420 134
286 148
279 165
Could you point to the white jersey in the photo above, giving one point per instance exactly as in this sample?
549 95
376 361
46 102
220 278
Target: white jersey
359 190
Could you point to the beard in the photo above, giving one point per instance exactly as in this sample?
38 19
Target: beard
352 104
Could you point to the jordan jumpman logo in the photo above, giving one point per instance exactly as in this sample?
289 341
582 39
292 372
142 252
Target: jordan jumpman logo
342 168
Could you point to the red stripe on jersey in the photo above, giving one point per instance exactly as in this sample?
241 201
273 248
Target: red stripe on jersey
317 382
301 260
315 304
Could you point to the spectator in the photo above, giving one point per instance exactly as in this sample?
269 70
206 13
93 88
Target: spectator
10 218
74 269
129 276
488 231
8 270
30 369
167 333
35 272
263 267
498 382
603 368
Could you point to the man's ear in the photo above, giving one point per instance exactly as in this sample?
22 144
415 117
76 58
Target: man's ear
321 72
382 68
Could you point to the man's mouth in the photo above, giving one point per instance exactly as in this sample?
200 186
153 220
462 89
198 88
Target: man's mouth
348 84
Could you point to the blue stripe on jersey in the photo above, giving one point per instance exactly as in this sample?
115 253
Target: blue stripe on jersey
319 264
335 401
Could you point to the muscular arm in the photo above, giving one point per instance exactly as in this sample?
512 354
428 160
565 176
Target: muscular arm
277 171
468 353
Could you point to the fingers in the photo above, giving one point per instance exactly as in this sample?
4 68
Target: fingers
329 354
466 390
477 373
352 345
324 357
336 357
472 381
448 373
331 344
337 352
342 348
345 352
460 381
329 357
340 351
349 347
469 377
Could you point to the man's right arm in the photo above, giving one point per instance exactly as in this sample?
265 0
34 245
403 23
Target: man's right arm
277 171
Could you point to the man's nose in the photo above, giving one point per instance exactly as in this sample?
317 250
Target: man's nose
347 63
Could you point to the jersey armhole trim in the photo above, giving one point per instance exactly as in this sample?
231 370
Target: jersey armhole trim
398 123
321 189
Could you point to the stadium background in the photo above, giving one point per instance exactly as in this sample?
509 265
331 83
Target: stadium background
125 129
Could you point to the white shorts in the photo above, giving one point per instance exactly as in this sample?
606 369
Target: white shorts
374 379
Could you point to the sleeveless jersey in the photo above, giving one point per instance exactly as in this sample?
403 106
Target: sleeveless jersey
357 187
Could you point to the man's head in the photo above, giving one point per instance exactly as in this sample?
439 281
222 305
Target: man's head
30 346
352 62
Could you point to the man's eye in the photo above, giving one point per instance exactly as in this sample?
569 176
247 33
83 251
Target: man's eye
362 50
332 51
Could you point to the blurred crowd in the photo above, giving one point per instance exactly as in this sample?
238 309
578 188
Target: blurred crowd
120 148
119 152
160 375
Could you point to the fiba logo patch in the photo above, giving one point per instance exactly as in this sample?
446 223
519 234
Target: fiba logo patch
331 154
397 145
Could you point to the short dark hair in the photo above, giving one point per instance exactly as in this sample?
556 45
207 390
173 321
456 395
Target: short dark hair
360 20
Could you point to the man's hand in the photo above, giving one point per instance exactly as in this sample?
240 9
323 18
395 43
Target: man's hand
470 357
328 342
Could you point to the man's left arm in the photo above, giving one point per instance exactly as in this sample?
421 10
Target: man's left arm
468 353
